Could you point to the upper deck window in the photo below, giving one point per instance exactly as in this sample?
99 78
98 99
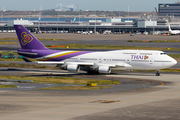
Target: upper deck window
145 53
129 53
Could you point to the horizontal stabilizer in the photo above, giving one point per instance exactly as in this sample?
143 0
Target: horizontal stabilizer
27 53
48 62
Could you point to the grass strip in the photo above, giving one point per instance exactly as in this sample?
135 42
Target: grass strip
7 42
41 39
153 40
8 52
9 38
8 86
11 59
17 59
170 70
62 80
162 70
75 88
21 65
174 55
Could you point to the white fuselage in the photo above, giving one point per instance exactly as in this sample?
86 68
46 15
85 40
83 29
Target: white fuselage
173 32
126 59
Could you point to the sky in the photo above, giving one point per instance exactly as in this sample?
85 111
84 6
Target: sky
105 5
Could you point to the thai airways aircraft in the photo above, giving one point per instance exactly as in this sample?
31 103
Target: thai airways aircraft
92 61
173 32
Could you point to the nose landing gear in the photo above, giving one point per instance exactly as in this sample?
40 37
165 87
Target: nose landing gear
157 73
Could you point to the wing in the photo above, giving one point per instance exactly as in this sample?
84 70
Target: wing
123 65
85 66
67 63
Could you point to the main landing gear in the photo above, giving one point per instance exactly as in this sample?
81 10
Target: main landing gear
157 73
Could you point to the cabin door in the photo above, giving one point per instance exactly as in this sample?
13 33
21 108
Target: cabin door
128 60
151 61
100 59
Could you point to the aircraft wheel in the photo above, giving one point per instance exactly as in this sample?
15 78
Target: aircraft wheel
157 74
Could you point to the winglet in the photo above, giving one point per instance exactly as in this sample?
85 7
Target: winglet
27 40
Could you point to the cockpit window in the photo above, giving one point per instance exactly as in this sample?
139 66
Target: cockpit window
163 54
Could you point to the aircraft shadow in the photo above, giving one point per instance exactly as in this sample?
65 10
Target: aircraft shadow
46 72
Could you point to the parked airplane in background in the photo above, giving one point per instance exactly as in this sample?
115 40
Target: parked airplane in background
174 32
92 61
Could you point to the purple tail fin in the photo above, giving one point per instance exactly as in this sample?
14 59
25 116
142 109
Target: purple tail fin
27 40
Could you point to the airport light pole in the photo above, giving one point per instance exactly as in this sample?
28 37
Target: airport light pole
29 15
57 22
79 16
2 15
58 16
128 12
153 23
95 24
39 19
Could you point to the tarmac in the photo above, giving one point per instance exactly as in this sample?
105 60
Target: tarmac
100 39
73 36
158 102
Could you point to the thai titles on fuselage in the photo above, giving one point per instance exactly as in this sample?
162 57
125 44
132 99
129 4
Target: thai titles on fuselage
139 57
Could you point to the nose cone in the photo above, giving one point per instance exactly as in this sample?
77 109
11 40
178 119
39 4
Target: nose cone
171 62
174 62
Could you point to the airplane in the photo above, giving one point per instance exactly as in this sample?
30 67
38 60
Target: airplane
91 61
174 32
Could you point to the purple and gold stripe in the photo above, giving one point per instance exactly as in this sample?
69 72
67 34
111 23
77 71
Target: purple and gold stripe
63 56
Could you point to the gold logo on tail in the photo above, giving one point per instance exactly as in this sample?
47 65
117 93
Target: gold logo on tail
26 38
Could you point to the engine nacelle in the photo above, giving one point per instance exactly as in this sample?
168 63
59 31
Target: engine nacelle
75 68
104 69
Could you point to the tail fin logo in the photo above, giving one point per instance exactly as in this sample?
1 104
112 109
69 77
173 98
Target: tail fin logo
26 38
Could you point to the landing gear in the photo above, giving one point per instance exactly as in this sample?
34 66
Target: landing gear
157 73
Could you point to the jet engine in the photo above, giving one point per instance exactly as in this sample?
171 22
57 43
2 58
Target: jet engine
104 69
73 68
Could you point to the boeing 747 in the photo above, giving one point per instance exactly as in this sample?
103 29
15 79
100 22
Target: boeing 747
92 61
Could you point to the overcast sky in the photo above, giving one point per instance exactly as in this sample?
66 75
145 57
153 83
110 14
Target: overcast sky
106 5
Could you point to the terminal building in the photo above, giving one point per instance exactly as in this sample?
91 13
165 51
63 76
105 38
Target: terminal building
169 9
113 25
